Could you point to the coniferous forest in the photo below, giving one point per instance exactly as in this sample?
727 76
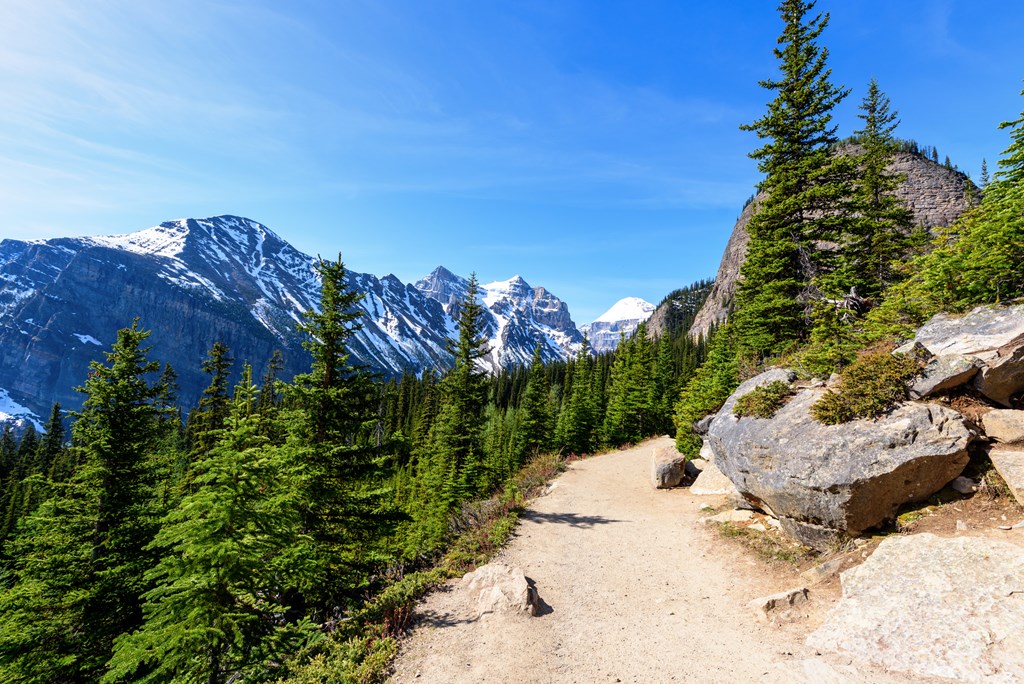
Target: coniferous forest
278 531
237 538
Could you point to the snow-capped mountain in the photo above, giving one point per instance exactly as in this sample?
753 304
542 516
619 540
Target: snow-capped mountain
517 317
623 318
193 282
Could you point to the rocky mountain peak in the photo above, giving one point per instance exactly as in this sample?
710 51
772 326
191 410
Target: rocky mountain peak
621 319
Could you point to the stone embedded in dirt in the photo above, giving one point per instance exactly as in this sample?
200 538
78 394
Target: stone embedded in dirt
498 588
829 482
1008 460
1004 425
711 482
932 606
994 336
823 572
734 516
668 467
944 373
765 606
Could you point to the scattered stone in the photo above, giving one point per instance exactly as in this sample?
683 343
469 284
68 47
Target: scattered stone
757 527
964 485
826 483
932 606
1009 463
944 373
711 482
667 467
500 588
765 606
823 572
705 507
1004 425
730 517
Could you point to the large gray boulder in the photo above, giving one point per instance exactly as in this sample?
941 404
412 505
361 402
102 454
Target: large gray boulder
990 337
668 467
936 607
828 482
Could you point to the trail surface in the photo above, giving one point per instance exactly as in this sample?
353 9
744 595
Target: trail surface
635 589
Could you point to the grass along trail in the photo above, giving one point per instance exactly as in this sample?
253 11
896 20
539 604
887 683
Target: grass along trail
634 589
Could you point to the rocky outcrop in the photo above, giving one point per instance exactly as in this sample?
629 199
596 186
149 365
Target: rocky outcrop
496 588
668 467
828 482
711 482
935 194
1004 425
991 338
934 607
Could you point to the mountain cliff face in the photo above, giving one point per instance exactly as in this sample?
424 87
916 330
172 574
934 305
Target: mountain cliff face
229 279
622 319
935 194
517 317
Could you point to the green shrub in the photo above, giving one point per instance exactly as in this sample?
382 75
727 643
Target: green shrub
764 400
870 386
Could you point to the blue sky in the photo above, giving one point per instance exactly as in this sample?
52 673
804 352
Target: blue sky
591 147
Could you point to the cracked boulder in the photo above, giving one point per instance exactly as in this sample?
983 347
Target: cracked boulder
826 483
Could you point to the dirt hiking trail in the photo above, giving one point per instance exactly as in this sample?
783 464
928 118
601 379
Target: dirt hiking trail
634 589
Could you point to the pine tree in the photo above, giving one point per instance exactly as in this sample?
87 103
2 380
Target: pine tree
984 178
880 231
82 557
705 393
631 412
212 613
340 478
214 405
535 425
580 415
805 186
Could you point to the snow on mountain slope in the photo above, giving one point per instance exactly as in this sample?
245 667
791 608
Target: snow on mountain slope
622 318
517 317
194 282
13 412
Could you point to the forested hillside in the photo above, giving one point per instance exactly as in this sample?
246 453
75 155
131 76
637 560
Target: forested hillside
231 544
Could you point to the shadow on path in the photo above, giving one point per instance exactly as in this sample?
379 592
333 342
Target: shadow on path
571 519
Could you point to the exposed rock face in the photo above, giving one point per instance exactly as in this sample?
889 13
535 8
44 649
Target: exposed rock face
989 337
499 588
827 482
517 317
933 607
711 482
675 314
667 467
935 194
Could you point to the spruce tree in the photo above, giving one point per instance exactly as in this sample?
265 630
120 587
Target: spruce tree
339 473
82 557
213 612
805 186
535 425
880 231
580 415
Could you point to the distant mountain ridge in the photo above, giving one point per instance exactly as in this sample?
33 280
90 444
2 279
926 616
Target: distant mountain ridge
197 281
622 319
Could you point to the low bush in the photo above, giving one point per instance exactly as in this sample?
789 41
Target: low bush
764 400
870 386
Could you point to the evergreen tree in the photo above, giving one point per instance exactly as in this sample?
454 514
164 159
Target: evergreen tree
707 390
534 433
805 186
214 405
50 450
81 558
880 231
631 411
984 178
340 479
580 415
212 614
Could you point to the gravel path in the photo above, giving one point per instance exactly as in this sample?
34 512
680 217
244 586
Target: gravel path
635 589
